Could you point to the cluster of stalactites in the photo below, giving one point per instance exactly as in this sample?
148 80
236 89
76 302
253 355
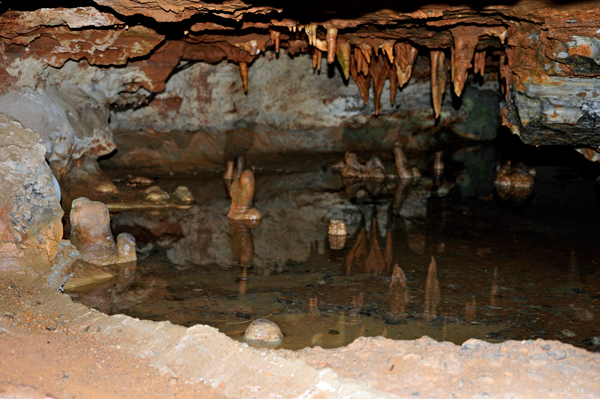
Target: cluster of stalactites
394 61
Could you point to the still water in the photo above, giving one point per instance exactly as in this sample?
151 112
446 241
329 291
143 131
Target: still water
419 260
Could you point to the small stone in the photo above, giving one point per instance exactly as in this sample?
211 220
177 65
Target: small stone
126 248
337 227
155 194
568 333
263 332
182 194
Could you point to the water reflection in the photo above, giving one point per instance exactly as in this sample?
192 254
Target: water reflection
204 268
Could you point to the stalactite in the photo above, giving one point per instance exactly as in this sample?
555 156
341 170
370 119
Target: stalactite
275 38
367 51
388 49
503 83
465 42
379 68
311 32
438 80
361 63
244 73
343 57
362 81
404 61
393 77
479 63
331 44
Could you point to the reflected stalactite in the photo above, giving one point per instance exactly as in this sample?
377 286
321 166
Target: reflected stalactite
470 311
495 287
400 193
515 182
416 243
389 250
432 292
374 263
399 296
401 162
358 252
313 305
357 304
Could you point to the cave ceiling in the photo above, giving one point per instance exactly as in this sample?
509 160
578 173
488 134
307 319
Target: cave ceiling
533 47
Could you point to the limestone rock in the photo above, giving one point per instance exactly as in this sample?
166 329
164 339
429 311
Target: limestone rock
263 332
90 232
182 194
156 194
242 193
30 214
126 248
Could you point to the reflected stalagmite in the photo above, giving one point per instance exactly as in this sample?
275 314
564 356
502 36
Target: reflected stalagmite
400 194
401 162
432 292
515 182
374 263
353 168
242 242
242 193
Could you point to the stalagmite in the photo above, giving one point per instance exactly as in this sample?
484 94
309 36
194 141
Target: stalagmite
366 50
343 57
379 69
331 44
244 73
362 81
438 80
404 61
275 38
479 63
388 48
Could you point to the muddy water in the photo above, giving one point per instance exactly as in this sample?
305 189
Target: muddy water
418 260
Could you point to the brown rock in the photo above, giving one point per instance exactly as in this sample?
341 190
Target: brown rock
242 193
126 248
90 232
